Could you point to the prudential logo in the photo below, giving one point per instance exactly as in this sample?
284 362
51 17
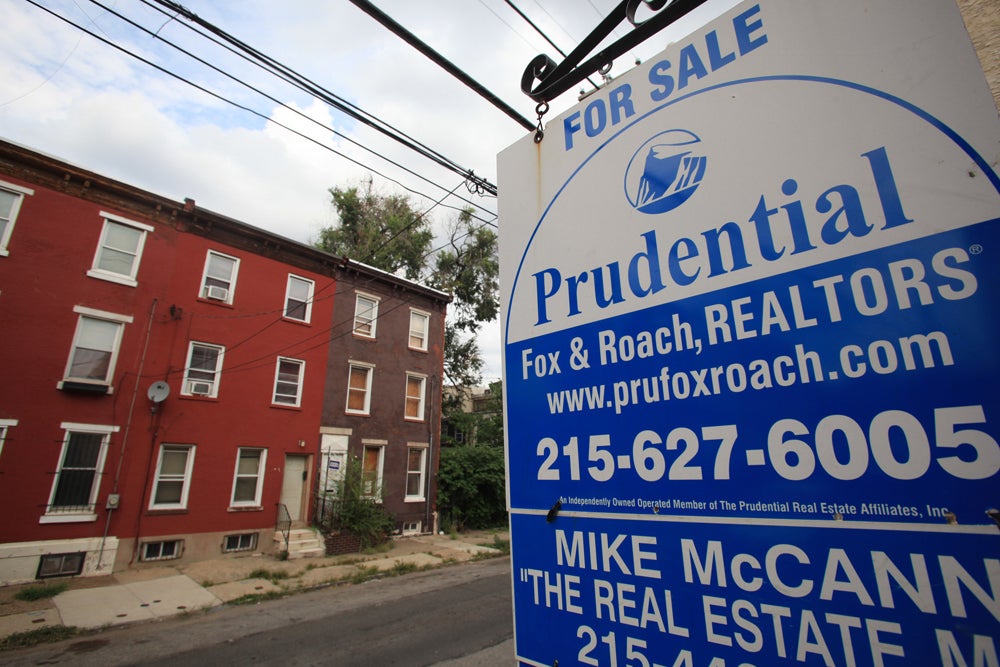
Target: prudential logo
664 172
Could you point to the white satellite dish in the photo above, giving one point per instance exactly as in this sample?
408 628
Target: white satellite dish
158 391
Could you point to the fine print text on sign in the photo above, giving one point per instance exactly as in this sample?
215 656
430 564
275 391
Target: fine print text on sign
750 361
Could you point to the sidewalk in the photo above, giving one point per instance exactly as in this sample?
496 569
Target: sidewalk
150 593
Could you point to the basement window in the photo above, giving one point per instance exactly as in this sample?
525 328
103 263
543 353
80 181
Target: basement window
162 550
60 565
244 542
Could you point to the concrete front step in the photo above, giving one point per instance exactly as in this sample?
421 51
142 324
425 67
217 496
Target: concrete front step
302 543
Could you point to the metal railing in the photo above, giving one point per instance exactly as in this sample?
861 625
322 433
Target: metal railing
283 523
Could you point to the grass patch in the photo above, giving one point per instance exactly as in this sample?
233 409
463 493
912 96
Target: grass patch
363 574
378 548
501 545
254 598
400 567
41 591
45 635
274 576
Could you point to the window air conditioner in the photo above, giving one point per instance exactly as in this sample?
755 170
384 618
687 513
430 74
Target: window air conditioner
199 388
217 293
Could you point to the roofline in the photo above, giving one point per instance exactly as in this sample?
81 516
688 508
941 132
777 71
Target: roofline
60 175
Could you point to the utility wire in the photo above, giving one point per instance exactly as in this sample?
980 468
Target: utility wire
441 61
229 101
539 31
330 98
204 62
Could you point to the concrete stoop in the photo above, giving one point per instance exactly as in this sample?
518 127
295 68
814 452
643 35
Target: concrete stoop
302 543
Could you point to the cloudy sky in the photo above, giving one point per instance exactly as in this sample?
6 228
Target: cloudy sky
68 94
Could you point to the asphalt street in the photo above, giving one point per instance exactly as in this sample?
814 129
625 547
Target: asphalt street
455 616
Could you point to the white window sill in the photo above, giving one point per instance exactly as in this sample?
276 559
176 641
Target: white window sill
67 518
112 277
4 252
414 499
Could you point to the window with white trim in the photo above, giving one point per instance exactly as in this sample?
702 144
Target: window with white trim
415 386
288 381
119 250
298 298
11 197
81 463
371 470
166 550
95 347
203 369
359 388
219 280
365 315
241 542
416 463
419 321
5 425
173 477
249 478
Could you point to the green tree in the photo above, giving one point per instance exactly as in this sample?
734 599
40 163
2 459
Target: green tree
471 487
385 231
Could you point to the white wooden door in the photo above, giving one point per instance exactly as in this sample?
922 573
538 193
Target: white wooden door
293 484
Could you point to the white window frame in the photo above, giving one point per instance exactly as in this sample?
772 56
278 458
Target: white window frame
261 467
421 473
297 398
5 425
187 387
177 553
112 276
91 314
370 370
311 285
365 316
426 317
87 511
15 208
184 479
203 290
420 399
375 492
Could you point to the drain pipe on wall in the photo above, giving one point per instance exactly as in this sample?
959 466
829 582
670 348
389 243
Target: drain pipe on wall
111 506
431 527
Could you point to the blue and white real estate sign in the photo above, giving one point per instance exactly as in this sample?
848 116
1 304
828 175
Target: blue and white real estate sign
752 349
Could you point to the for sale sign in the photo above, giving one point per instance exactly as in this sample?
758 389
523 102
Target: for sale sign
751 313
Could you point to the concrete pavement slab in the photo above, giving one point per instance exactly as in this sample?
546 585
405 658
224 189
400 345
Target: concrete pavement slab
235 590
325 575
419 560
27 621
173 595
127 603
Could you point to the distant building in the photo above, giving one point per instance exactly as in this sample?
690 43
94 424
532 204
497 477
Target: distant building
166 374
383 391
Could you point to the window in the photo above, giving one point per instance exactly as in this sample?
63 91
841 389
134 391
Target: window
5 425
173 477
365 315
78 477
359 389
298 299
288 381
244 542
60 565
418 329
119 250
204 366
95 347
162 550
219 281
371 471
415 396
249 479
415 459
11 197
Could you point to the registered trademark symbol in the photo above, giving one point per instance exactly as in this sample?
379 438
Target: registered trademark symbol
975 248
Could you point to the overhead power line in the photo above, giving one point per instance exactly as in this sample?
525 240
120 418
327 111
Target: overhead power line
273 99
330 98
444 63
539 31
